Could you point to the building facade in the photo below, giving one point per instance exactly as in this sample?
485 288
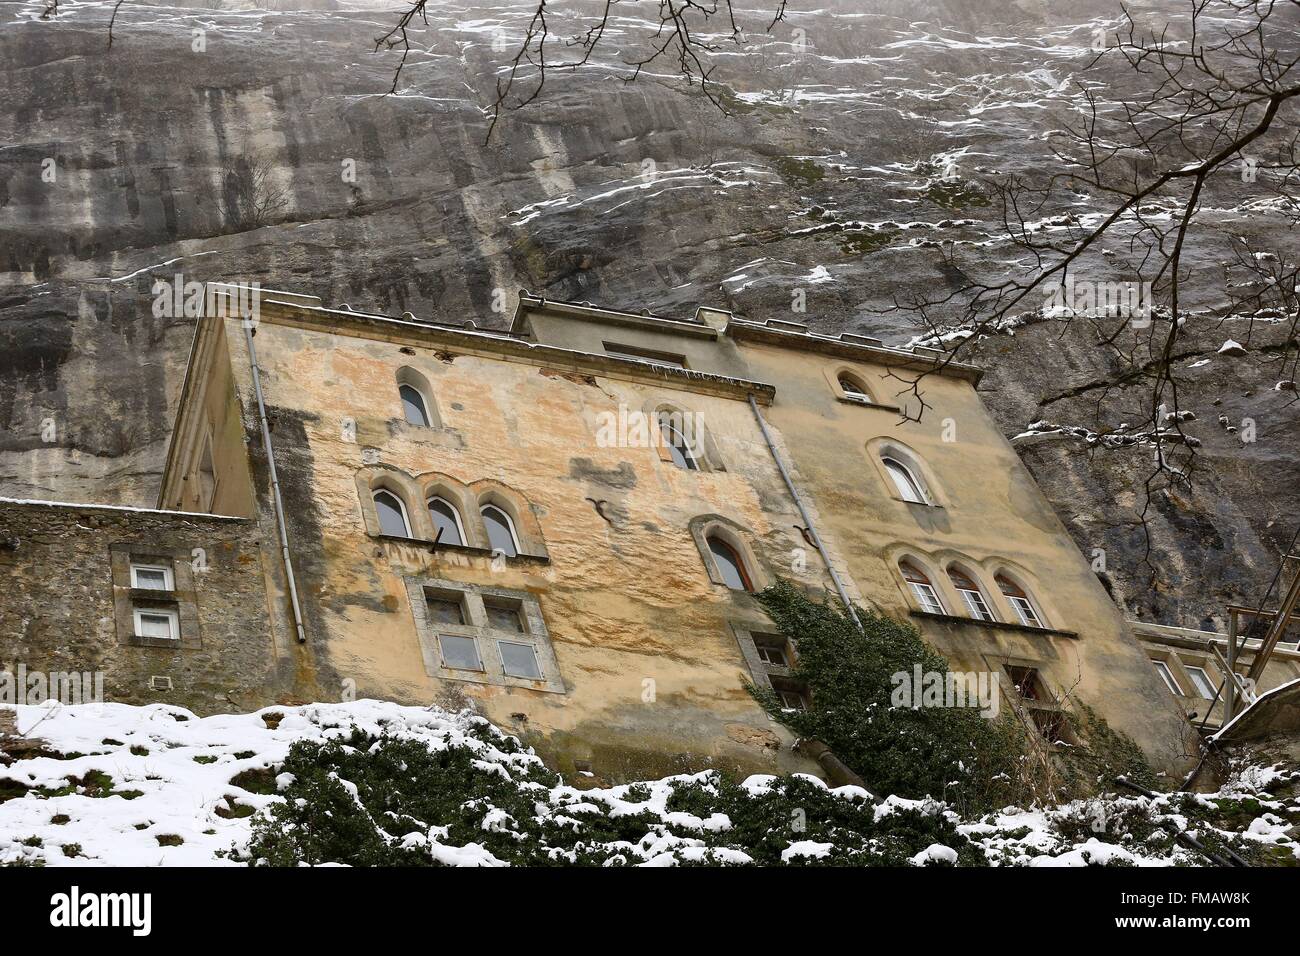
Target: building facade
563 525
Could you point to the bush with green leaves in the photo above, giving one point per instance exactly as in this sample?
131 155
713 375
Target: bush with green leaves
955 754
392 801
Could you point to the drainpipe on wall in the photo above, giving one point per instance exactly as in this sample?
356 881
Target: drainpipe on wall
839 772
277 503
803 512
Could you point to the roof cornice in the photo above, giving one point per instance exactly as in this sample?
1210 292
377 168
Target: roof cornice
795 335
506 345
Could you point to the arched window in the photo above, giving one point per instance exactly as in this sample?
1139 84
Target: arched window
730 566
853 389
500 530
1019 600
921 587
909 489
446 522
392 514
413 405
970 593
676 444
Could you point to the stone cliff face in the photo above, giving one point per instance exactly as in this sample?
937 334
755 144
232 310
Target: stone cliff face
258 145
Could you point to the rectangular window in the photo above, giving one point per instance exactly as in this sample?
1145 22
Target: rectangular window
644 355
792 696
155 624
504 615
519 660
1168 676
151 577
1025 680
460 653
444 608
1202 682
1050 723
772 649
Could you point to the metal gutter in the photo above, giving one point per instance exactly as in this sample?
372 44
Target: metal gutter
803 512
275 486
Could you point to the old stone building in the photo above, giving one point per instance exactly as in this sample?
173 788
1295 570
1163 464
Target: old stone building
564 524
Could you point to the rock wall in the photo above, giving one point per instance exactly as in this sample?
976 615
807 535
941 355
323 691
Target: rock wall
250 144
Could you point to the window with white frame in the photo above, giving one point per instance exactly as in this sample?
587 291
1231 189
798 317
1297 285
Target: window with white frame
500 531
446 522
1019 601
854 390
392 514
792 695
644 355
1167 676
152 577
1202 681
679 449
483 635
971 595
416 396
519 660
414 408
772 649
460 652
906 483
922 589
157 624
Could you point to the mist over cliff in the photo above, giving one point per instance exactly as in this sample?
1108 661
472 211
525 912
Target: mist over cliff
223 140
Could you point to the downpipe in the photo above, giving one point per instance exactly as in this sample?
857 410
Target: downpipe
276 501
803 512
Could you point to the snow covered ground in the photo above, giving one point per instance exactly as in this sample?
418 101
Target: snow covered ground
113 784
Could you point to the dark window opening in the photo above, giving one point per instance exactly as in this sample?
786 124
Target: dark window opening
504 615
730 567
445 609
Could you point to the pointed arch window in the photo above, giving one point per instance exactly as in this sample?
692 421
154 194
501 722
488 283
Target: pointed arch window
971 594
500 530
679 449
853 390
1019 602
922 589
446 521
905 481
414 406
392 514
731 567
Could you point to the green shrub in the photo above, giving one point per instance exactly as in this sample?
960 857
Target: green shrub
949 753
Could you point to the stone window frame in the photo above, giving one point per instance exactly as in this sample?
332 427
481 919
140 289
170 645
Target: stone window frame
1027 583
704 449
703 527
414 491
180 600
1031 711
485 636
169 575
925 565
963 606
880 448
414 378
171 615
855 374
763 675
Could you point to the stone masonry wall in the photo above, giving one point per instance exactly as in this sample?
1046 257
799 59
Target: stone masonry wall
66 603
